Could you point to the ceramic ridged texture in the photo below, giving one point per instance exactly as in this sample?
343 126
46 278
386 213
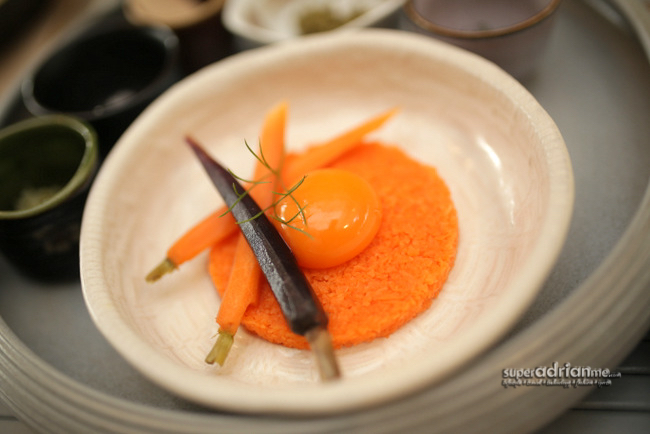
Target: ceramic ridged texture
499 152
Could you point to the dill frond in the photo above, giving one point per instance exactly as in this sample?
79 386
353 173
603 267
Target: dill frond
288 193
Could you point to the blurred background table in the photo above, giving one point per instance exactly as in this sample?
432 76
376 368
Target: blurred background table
625 406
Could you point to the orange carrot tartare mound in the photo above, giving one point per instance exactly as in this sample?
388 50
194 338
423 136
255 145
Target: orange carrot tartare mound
390 282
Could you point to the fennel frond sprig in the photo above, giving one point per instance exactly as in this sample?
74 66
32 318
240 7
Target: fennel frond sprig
287 193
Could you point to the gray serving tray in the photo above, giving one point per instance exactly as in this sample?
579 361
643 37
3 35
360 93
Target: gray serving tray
58 374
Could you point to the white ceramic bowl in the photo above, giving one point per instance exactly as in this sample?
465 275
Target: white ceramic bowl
259 22
500 153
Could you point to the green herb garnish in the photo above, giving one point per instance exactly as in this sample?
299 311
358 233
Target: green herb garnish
287 193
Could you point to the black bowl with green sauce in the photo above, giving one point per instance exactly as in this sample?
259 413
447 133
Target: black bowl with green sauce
46 167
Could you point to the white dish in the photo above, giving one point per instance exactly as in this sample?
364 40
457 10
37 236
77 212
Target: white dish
260 22
501 154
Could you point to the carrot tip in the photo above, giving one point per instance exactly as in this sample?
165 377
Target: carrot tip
221 348
166 266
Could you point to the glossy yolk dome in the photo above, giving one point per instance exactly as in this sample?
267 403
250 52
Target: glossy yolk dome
341 215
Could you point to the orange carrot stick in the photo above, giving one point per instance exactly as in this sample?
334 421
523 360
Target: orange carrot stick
242 290
321 155
218 226
207 232
243 284
272 154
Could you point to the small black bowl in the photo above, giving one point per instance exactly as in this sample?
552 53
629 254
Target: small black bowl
106 76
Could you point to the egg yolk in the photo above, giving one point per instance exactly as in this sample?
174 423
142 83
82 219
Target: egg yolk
340 216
